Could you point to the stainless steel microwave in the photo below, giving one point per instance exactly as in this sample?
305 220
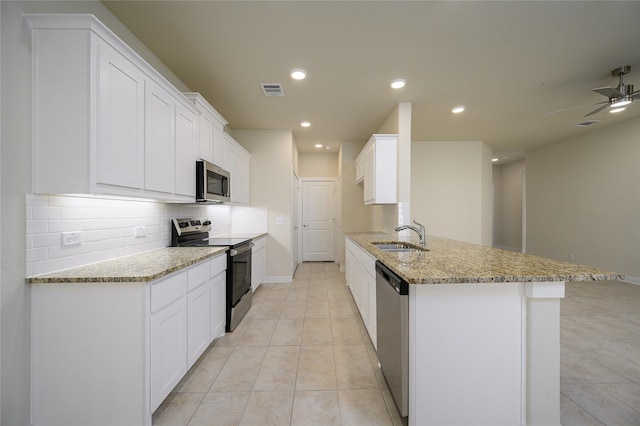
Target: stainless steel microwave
212 183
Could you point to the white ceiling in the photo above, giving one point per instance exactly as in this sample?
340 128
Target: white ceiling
507 62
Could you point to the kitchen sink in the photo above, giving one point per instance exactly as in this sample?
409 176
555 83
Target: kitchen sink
398 247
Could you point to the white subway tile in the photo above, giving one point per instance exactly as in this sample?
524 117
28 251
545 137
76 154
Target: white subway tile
47 266
37 255
46 240
45 212
37 226
62 226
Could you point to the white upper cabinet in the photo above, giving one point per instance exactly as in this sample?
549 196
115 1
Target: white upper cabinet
106 122
160 122
377 168
211 129
120 139
236 160
186 143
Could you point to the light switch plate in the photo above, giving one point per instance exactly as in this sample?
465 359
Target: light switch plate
279 220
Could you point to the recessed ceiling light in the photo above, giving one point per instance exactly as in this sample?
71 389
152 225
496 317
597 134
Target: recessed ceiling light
298 74
613 111
398 83
457 110
318 145
494 159
305 124
328 147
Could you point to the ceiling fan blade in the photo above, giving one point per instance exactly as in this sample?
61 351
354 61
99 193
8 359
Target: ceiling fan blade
572 108
636 93
597 110
609 92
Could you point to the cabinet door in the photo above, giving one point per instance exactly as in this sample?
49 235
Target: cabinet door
168 354
159 140
369 176
236 162
198 301
372 323
186 141
217 144
120 142
218 286
243 167
258 267
206 137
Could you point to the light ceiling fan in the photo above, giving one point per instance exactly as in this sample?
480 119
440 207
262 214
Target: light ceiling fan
618 97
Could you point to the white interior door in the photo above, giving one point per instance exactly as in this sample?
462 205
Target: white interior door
318 221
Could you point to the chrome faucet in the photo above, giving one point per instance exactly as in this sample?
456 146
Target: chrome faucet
420 231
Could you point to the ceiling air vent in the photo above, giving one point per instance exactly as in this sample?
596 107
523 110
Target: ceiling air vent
272 89
587 123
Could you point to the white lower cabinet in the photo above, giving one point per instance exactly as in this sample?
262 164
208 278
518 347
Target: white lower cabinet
168 357
361 278
218 293
136 340
198 302
258 262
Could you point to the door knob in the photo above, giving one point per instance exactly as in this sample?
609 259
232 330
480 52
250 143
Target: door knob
305 225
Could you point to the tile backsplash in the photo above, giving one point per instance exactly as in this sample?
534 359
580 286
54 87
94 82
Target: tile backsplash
107 227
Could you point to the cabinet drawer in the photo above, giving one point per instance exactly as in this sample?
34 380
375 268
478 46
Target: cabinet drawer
218 264
168 290
198 274
368 262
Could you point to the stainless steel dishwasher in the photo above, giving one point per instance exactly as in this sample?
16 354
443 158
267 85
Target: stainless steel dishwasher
392 322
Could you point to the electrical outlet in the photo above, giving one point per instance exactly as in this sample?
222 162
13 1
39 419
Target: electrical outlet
71 238
572 257
140 231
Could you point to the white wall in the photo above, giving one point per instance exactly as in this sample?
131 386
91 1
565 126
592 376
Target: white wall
583 197
507 181
318 165
451 189
271 189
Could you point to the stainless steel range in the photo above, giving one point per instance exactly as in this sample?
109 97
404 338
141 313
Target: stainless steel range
192 232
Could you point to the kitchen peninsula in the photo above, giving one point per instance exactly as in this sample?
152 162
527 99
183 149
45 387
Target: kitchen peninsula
484 328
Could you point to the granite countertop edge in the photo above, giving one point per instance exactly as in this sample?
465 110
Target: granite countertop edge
137 268
455 262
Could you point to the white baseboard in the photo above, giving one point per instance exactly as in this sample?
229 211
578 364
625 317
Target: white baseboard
631 280
284 279
516 249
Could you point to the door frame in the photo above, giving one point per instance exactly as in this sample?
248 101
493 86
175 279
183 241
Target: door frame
335 210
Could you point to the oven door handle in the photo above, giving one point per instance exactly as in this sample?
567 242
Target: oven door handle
243 249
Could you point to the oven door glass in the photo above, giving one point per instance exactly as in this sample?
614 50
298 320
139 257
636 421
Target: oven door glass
241 275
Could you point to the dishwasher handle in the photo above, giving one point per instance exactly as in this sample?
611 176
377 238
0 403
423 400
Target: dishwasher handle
383 272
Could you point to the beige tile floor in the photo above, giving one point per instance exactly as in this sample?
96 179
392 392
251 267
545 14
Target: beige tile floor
303 357
600 354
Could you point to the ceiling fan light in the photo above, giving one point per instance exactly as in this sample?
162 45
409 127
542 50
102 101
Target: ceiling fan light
622 102
614 110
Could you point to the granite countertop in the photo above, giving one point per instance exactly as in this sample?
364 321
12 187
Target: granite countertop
142 267
453 262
